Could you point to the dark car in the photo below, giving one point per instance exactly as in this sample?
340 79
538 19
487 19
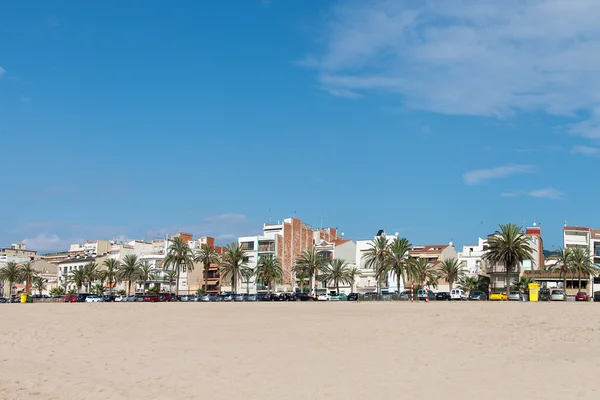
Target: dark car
108 297
268 297
3 300
544 294
422 295
442 296
251 297
82 296
226 297
596 296
477 296
352 297
299 297
581 296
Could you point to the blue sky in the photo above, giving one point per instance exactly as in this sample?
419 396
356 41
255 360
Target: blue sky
435 119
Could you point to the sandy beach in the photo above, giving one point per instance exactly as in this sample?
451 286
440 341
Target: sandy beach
300 351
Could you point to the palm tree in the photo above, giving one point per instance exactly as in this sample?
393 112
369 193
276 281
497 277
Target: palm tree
206 256
233 264
269 271
376 257
91 273
112 268
310 263
129 270
11 274
508 246
562 265
57 291
39 284
179 257
423 272
98 289
170 277
77 277
522 284
352 273
337 272
468 283
398 263
581 262
145 274
27 273
451 270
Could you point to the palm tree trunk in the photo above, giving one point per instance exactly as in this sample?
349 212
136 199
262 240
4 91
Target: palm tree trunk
565 285
206 278
129 287
507 288
398 288
337 287
450 282
177 281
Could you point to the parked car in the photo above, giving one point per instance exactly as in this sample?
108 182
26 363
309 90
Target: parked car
205 298
226 297
82 296
422 295
70 298
167 297
323 297
581 296
3 300
514 296
596 296
498 297
443 296
544 294
194 298
239 297
338 297
251 297
478 296
92 298
353 297
267 297
109 298
557 295
151 298
458 294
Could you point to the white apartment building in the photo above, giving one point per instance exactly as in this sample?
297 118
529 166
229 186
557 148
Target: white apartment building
471 258
589 239
366 281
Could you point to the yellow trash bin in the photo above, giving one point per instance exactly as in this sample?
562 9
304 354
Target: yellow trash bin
533 291
23 297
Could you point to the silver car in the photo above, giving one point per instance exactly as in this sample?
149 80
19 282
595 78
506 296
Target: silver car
514 296
557 295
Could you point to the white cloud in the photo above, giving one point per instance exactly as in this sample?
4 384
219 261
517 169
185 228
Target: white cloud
548 193
226 218
585 150
45 242
2 71
509 194
478 176
467 57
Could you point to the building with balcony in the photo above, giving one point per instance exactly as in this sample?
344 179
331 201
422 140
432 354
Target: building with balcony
366 280
471 258
497 271
587 239
17 253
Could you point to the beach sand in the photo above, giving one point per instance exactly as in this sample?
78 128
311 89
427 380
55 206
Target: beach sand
300 351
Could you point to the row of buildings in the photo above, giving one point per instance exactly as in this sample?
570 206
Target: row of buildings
286 240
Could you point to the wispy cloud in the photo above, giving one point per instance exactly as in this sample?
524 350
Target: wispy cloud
479 176
2 71
509 194
228 218
467 57
585 150
46 242
548 193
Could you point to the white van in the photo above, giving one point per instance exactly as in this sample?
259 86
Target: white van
457 294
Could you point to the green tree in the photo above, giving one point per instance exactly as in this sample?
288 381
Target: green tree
206 256
154 290
97 289
27 273
309 263
269 271
522 284
423 272
582 264
145 274
170 277
57 291
129 270
233 264
39 284
451 270
11 274
353 272
376 257
112 271
398 263
469 284
77 277
179 257
509 247
337 271
90 271
563 265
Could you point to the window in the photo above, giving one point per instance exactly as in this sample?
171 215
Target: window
247 245
597 250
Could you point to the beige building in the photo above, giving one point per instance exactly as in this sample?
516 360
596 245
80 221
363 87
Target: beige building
435 254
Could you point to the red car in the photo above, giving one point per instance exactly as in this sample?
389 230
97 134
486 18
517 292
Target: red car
70 298
581 296
151 298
